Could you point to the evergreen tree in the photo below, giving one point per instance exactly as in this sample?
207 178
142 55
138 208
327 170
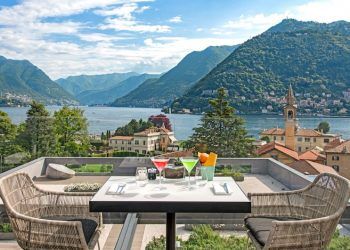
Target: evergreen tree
38 136
222 131
323 127
71 130
8 133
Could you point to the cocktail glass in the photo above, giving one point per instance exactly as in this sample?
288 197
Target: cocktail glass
189 164
160 164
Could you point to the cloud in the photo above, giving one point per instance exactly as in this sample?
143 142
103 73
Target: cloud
316 10
122 19
323 11
132 25
175 19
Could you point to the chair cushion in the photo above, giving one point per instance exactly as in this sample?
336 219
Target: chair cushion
260 227
89 226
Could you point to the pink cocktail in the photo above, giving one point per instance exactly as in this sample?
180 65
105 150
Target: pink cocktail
160 165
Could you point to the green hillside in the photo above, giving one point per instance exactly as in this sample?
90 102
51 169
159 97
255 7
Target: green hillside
91 97
314 58
20 77
78 84
157 93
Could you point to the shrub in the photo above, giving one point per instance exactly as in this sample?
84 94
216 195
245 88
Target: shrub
5 228
203 237
82 187
339 242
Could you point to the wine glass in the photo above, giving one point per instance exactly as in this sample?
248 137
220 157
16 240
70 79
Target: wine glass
160 164
189 164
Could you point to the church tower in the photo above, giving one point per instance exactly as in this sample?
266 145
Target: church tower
290 111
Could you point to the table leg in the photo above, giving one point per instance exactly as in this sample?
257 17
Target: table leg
170 231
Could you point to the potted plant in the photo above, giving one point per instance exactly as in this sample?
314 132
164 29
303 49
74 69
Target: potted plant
6 232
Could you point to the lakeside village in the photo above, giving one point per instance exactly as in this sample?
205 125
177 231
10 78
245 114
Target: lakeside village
307 150
324 104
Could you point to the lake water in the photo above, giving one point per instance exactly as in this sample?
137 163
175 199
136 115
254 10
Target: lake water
109 118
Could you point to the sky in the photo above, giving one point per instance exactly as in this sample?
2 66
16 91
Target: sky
73 37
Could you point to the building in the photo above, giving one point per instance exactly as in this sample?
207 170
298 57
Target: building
311 168
338 157
278 152
294 137
149 140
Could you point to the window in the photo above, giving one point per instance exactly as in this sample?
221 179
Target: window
306 148
144 152
335 157
326 140
122 148
282 138
122 142
129 149
299 149
129 142
336 168
137 151
314 139
136 142
307 139
274 138
300 138
144 142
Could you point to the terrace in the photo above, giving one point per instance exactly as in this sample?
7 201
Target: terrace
134 231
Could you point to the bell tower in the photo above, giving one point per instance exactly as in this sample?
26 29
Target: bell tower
290 111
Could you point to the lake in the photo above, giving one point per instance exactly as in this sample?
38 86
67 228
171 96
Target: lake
109 118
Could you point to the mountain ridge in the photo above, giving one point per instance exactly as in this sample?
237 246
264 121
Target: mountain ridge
21 77
157 93
308 58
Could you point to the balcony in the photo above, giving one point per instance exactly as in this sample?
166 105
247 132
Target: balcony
136 230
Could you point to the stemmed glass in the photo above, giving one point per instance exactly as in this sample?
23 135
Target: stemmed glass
160 165
189 164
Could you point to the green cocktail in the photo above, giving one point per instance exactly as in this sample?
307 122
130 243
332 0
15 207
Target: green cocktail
189 164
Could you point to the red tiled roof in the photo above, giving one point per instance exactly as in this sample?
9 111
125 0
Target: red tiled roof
128 138
273 131
279 147
312 168
308 132
312 155
334 143
343 148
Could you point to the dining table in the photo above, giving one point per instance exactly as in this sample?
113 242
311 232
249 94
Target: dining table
125 194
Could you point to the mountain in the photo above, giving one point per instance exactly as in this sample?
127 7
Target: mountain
77 84
314 58
22 78
90 97
157 93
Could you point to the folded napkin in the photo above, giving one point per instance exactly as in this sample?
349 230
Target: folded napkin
224 189
117 188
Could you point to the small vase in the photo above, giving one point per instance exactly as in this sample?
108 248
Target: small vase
208 173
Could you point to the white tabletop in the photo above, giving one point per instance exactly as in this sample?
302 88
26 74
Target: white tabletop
175 196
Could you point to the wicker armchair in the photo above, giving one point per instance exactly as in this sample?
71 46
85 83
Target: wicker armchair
302 219
49 220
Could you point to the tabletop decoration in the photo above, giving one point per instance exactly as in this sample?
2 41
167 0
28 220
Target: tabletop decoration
208 165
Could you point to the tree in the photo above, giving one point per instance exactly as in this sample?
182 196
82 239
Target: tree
323 127
133 127
222 131
38 136
265 138
71 130
8 133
